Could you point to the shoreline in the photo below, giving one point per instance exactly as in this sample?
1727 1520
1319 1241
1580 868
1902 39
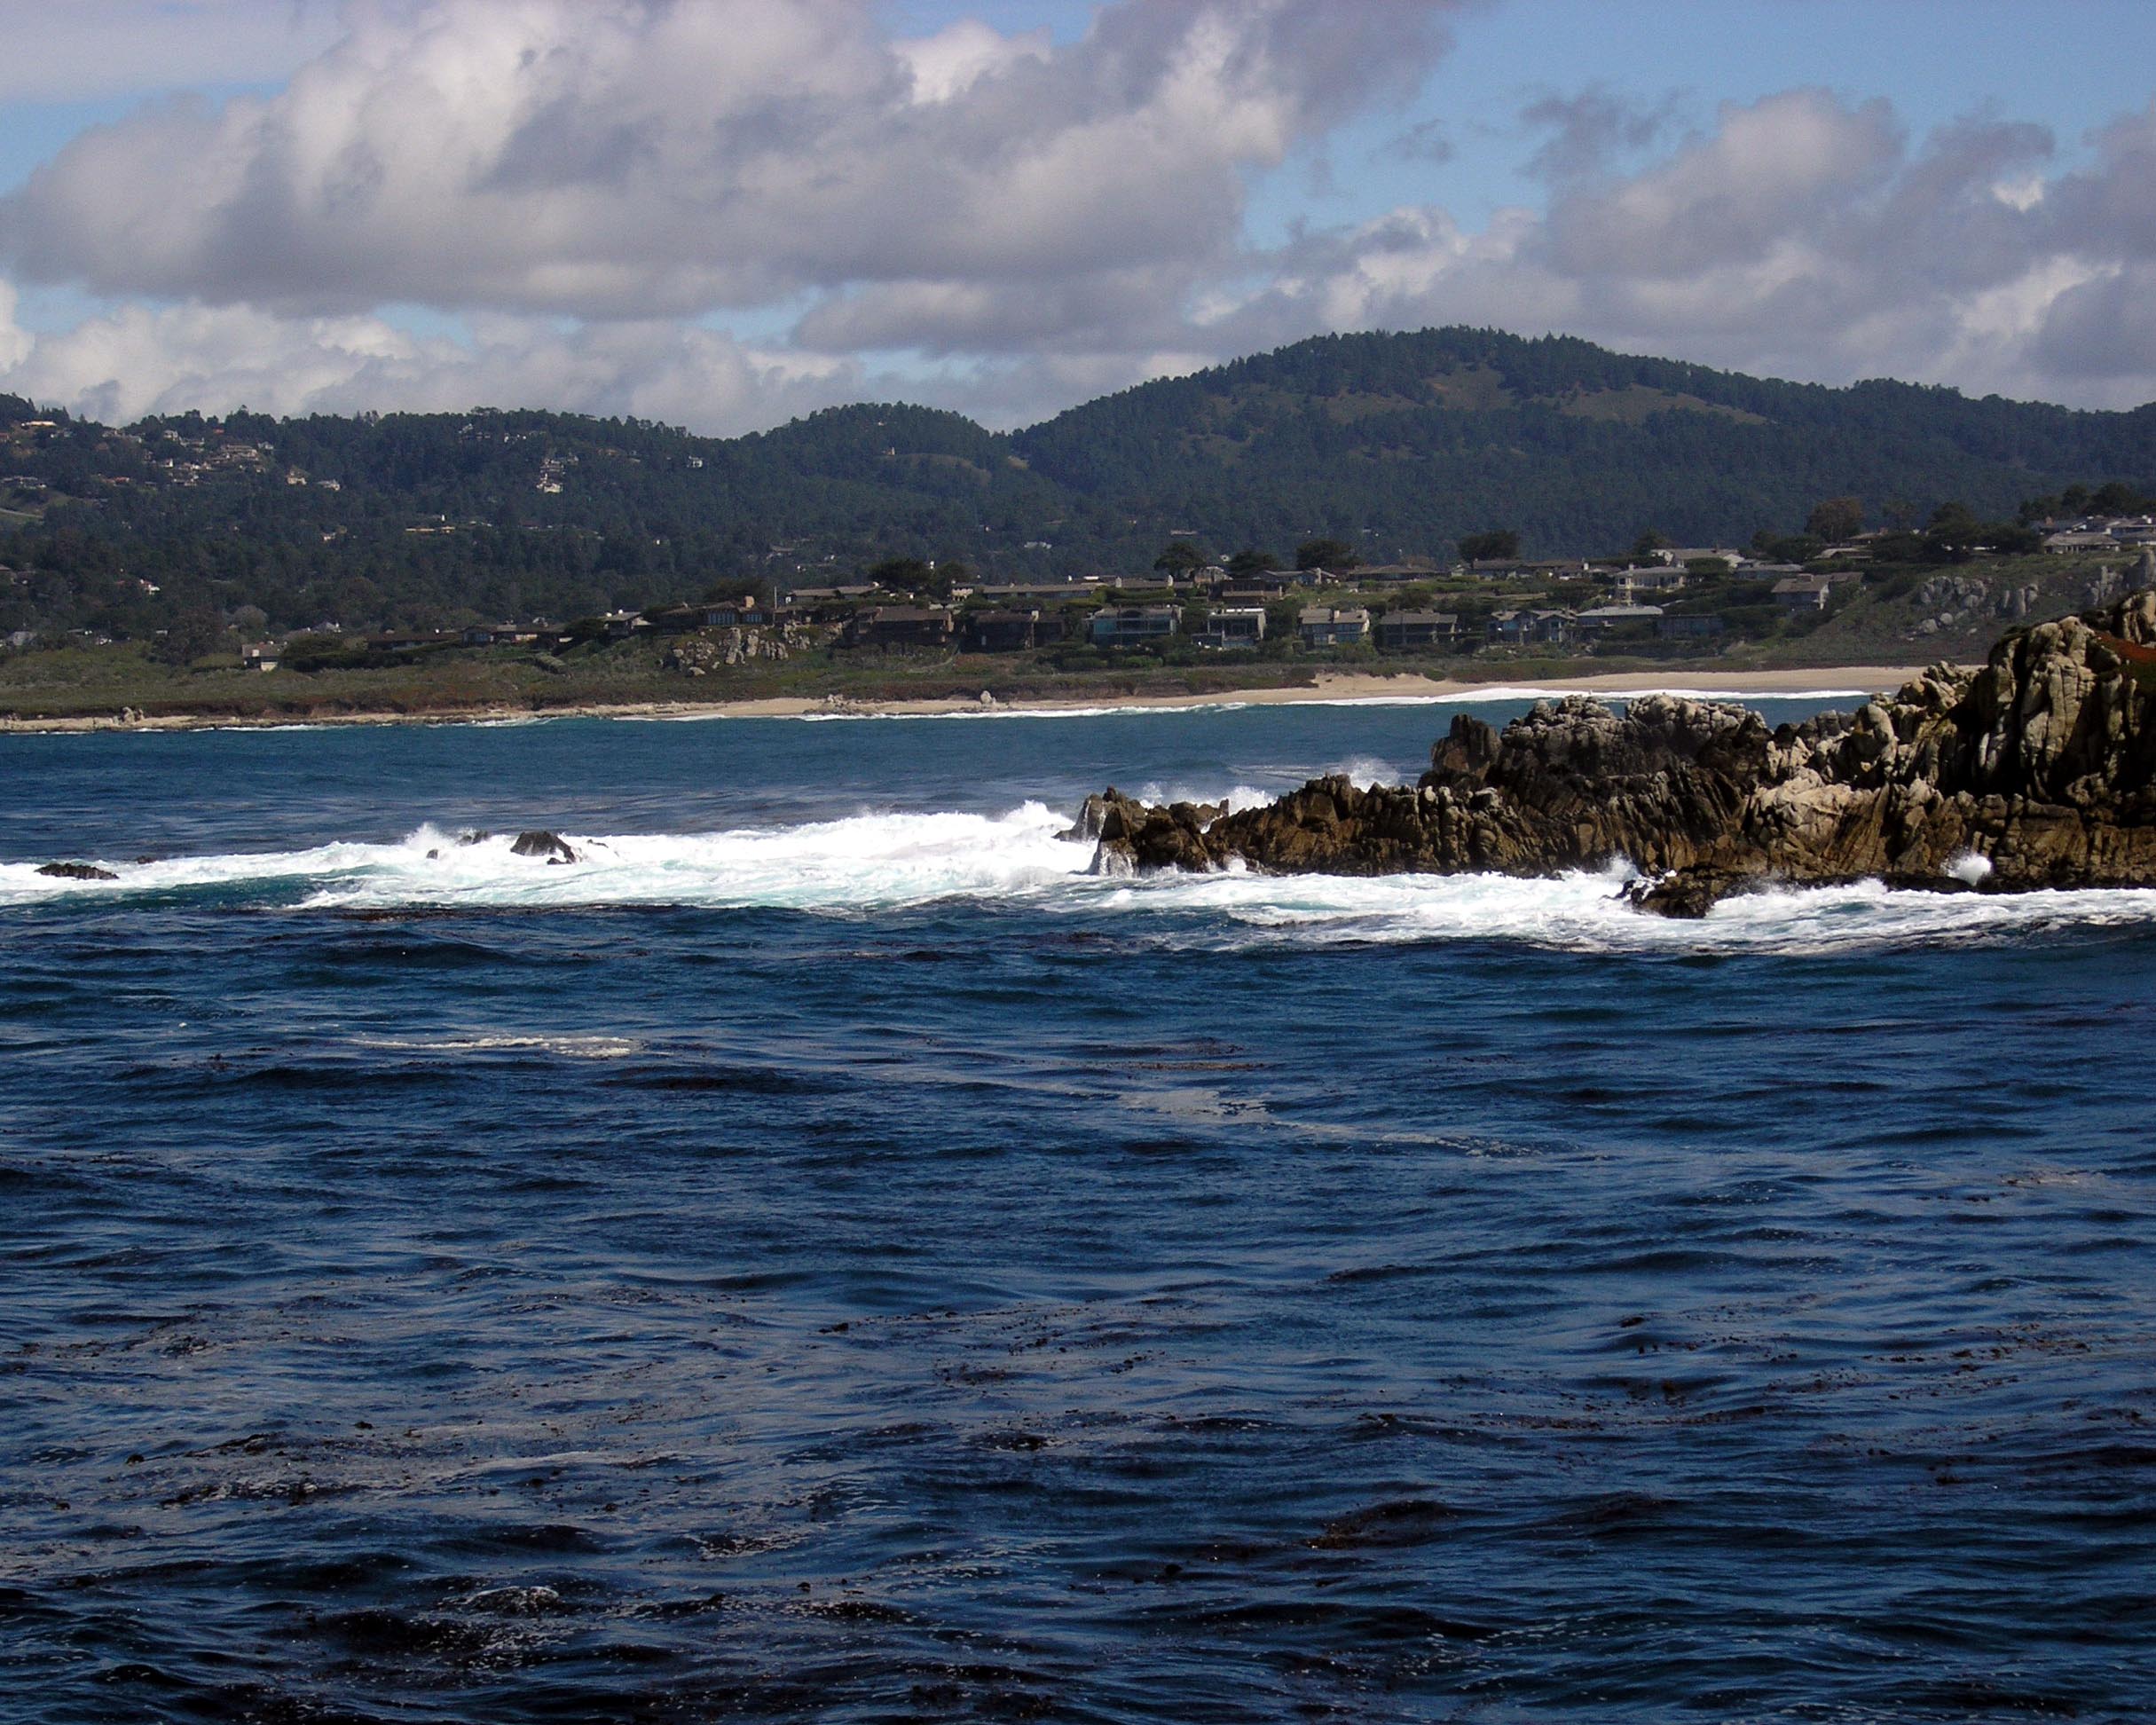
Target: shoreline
1406 689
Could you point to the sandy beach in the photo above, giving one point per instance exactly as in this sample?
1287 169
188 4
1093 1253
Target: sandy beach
1849 680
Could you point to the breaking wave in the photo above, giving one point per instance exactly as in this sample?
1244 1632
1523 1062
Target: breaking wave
877 862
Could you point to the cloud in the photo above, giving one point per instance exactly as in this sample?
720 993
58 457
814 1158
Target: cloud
647 158
592 185
136 360
64 51
1590 130
1801 235
1426 141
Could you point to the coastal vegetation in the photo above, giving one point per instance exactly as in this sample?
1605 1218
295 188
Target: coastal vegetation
1492 490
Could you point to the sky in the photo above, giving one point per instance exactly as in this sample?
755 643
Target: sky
723 213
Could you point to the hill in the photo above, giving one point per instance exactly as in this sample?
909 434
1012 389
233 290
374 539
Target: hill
1415 439
1398 444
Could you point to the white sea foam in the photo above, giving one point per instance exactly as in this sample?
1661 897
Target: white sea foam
882 861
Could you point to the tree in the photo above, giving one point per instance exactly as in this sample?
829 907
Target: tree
1836 519
1953 533
1250 561
1649 543
1179 557
191 633
1332 554
903 575
1790 548
1499 545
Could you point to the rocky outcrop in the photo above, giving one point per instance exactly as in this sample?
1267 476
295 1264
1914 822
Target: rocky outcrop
551 846
76 871
2037 770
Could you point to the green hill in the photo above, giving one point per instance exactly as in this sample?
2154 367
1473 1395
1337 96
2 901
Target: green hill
1397 443
1415 439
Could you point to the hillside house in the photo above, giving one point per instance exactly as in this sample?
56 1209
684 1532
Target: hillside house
901 626
500 634
1000 631
1596 618
1134 626
1231 626
1326 625
1530 628
1409 630
1255 586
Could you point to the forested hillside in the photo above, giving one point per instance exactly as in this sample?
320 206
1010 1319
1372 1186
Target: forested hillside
1415 439
1397 443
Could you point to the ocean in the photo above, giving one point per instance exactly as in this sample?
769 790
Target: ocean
823 1256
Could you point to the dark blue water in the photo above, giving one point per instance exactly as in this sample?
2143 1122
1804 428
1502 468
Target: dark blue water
820 1257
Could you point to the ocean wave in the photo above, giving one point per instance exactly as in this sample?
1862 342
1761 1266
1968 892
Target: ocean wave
1477 695
874 862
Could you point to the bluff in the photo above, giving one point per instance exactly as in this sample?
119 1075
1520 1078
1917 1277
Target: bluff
2037 769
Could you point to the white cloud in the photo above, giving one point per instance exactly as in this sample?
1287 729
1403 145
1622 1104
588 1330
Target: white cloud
139 360
64 50
1803 236
1035 222
639 158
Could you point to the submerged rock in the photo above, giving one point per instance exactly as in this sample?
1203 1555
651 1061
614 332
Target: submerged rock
2037 770
76 871
551 846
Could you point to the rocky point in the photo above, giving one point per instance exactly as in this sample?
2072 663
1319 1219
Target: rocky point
2037 770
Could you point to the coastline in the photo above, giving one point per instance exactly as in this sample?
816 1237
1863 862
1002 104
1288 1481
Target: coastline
1403 687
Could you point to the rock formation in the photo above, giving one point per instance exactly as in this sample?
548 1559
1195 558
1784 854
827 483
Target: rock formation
2037 770
76 871
551 846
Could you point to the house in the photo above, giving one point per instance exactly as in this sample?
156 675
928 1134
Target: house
2072 544
619 625
1323 626
1000 631
1687 626
1524 628
1258 584
1677 555
1653 580
1803 593
1598 617
261 655
1134 626
1404 631
500 634
901 626
746 612
1233 626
